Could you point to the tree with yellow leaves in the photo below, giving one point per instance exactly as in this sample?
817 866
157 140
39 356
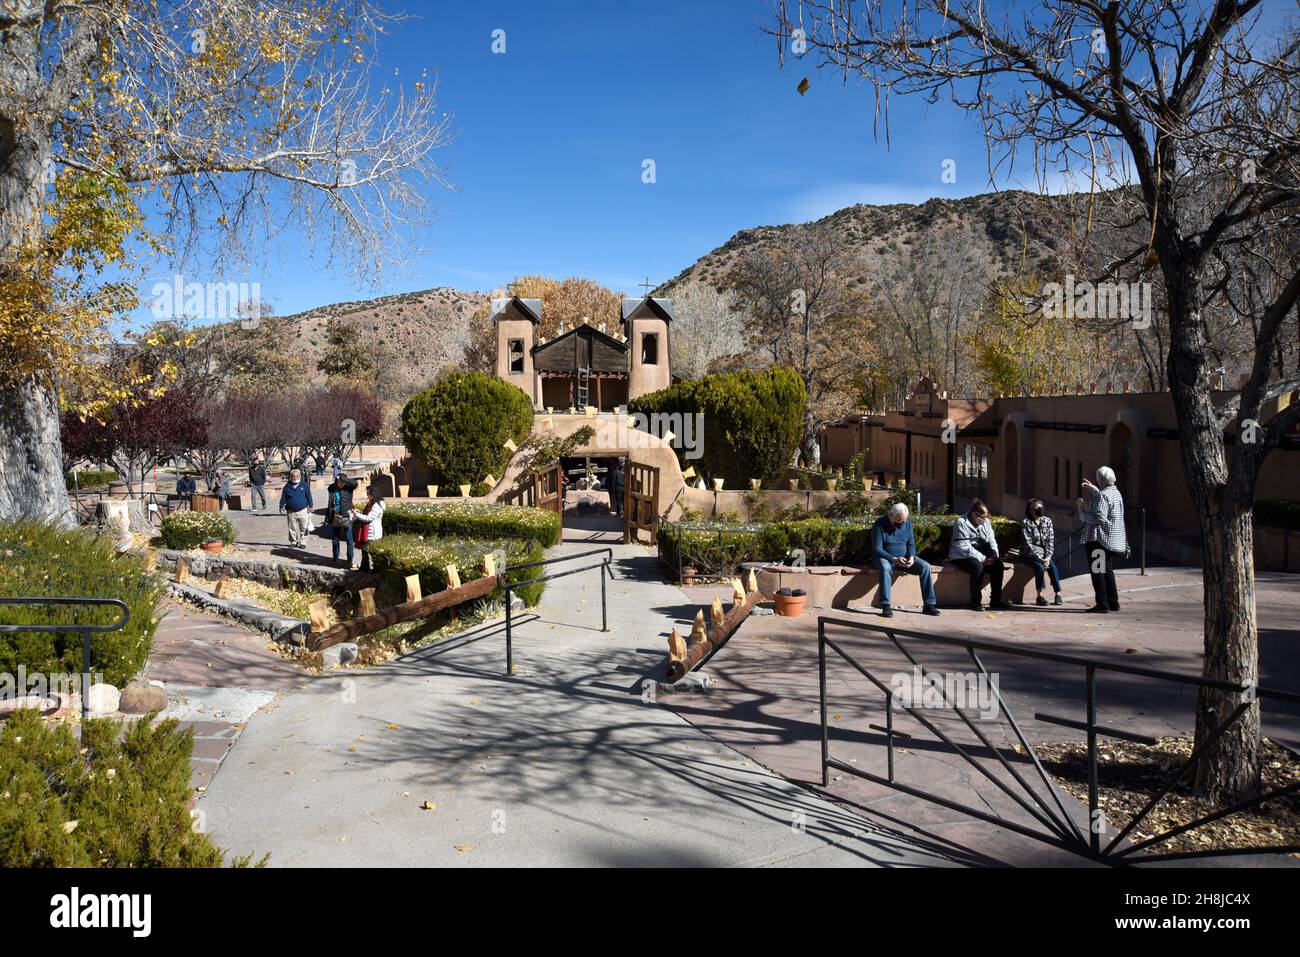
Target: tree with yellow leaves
1019 348
215 117
565 302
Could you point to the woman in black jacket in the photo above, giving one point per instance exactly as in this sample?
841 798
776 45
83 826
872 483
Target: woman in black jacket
338 514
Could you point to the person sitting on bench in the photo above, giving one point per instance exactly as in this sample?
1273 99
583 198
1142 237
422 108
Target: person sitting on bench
893 549
975 551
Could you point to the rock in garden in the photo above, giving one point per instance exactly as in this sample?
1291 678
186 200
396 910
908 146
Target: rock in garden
336 655
103 699
141 697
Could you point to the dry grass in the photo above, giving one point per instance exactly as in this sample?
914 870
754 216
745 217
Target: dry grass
1130 774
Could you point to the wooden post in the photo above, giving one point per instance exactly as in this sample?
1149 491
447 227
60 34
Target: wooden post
319 616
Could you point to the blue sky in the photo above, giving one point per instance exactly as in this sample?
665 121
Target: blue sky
550 138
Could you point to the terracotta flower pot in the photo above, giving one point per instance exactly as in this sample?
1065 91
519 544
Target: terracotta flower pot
791 606
688 575
212 547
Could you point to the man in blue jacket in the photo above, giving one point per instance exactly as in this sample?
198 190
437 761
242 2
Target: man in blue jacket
893 549
295 501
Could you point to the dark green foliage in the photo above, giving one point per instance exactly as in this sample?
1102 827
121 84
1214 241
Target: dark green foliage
89 478
39 560
460 426
399 555
824 541
1278 512
127 794
475 520
752 422
184 530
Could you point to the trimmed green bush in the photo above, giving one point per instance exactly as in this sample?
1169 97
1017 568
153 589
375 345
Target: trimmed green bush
824 541
89 478
40 560
752 422
182 530
1278 512
457 517
106 800
399 555
460 426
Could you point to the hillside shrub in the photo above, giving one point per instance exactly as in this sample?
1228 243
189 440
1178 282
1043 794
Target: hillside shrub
183 530
457 517
752 422
398 555
40 560
106 800
460 426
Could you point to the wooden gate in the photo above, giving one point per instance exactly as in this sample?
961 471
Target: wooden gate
545 491
640 501
548 491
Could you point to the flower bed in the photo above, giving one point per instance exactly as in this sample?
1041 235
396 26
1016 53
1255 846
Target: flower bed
399 555
184 530
490 520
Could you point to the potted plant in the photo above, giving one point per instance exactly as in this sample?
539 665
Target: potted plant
688 574
212 545
790 602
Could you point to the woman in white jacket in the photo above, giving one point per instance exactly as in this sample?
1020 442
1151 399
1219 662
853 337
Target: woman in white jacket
974 549
369 523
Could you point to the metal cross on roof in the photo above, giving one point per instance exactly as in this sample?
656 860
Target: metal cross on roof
647 285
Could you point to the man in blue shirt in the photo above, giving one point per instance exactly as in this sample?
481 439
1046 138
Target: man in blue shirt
893 550
295 501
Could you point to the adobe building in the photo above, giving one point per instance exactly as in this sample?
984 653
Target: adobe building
585 365
1012 448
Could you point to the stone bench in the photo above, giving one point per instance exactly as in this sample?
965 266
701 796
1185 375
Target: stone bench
852 586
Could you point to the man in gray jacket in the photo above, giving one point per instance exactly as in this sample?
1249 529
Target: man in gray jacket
974 550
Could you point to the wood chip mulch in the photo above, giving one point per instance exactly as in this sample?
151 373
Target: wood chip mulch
1130 774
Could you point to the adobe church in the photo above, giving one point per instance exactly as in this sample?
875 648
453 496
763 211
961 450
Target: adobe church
586 365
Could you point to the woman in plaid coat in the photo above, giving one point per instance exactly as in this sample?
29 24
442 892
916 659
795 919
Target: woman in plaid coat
1039 539
1104 536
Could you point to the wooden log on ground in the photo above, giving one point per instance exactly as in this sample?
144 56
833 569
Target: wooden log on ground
718 637
440 601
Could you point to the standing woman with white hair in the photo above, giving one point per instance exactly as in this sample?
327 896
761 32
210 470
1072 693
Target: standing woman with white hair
1103 533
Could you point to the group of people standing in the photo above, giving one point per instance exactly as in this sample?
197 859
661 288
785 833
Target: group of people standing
974 549
345 524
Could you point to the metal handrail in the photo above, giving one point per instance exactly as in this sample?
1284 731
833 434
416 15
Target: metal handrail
602 565
1060 829
84 630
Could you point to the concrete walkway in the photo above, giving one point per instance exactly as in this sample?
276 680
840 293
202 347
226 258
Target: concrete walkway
562 764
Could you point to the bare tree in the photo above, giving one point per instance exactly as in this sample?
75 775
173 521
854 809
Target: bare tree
234 120
1197 104
707 327
803 312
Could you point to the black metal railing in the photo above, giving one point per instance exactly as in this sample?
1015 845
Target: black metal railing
88 506
84 630
1053 823
602 566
